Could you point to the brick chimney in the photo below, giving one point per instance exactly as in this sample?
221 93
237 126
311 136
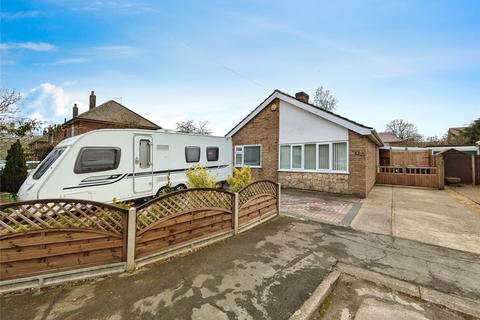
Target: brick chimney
75 111
302 96
93 100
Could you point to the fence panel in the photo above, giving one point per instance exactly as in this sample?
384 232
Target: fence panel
258 200
53 235
408 176
182 217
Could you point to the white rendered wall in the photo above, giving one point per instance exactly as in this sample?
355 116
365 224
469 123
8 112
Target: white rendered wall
299 126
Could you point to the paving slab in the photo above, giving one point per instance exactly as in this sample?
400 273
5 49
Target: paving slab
469 191
358 299
265 273
426 215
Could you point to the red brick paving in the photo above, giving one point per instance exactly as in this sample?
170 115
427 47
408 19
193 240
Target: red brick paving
315 206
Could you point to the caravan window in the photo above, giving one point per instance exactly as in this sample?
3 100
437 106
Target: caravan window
93 159
47 163
144 154
212 153
192 154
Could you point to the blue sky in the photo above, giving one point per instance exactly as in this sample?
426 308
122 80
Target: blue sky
217 60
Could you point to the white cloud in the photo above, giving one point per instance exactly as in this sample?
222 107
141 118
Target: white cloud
34 46
114 51
66 61
19 15
51 103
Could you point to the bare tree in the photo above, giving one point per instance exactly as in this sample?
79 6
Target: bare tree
406 131
324 99
435 140
189 126
12 125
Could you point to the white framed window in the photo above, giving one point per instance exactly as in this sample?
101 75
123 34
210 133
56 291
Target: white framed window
310 156
248 155
340 156
330 157
285 157
297 156
323 156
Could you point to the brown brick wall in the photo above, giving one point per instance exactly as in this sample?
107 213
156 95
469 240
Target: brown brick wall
84 126
263 130
371 160
362 162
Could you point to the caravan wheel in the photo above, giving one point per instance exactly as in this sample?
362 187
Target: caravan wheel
180 187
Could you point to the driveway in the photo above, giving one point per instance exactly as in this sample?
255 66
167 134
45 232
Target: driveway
431 216
265 273
318 206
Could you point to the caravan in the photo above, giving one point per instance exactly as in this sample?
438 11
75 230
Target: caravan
125 164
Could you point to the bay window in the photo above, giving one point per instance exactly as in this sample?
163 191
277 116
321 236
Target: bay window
248 155
318 157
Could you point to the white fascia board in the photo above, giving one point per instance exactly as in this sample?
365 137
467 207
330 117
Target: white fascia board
252 114
333 118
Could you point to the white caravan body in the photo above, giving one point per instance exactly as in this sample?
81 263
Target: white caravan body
125 164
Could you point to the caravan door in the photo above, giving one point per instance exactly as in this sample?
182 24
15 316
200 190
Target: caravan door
142 164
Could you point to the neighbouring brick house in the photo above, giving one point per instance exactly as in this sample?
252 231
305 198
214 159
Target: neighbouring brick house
390 139
289 140
110 114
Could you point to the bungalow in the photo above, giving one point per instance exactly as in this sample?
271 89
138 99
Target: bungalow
289 140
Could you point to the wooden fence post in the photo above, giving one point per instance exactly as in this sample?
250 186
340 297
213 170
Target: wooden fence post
236 208
279 195
131 235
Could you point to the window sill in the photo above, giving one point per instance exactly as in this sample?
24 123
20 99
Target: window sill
313 171
251 167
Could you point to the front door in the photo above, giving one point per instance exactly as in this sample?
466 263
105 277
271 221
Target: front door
142 164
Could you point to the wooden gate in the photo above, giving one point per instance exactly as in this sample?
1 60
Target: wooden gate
52 235
430 177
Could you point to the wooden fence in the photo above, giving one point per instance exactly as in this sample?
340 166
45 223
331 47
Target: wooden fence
258 201
430 177
182 217
45 236
64 238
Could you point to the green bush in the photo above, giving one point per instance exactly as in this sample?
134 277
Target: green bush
166 189
198 177
240 178
15 171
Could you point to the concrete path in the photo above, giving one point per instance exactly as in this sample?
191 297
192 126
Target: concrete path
358 299
265 273
469 191
426 215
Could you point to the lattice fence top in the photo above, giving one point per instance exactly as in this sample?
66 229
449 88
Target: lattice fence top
68 214
257 188
182 201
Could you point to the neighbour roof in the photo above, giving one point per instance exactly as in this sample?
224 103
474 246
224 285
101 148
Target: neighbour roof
456 130
112 111
388 137
39 139
333 117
